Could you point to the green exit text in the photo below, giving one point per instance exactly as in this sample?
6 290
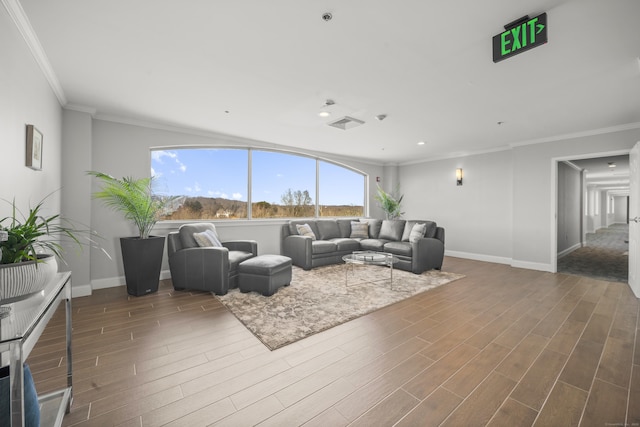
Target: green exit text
520 38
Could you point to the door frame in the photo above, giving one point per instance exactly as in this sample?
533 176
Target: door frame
554 195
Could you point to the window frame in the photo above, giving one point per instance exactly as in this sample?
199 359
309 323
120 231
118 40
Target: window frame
250 150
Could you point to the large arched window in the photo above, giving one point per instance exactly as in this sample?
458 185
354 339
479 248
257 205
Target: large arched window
227 183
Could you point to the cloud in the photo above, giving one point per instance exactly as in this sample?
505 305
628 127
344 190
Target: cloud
236 196
158 155
193 190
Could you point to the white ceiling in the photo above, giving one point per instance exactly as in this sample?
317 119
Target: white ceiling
263 69
598 173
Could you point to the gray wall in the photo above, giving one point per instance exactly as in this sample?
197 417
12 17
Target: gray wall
477 216
569 208
76 197
26 98
534 225
620 209
110 142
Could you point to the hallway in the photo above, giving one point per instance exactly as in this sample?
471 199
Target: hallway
604 257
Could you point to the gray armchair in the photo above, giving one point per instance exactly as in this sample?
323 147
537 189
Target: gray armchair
205 268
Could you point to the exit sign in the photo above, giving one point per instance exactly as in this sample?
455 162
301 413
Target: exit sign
520 36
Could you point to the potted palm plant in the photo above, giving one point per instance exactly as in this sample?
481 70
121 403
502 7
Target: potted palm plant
390 204
142 254
29 246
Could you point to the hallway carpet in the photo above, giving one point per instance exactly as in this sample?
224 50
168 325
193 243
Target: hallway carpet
605 256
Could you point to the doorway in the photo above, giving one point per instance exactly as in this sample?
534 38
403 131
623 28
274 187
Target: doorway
592 220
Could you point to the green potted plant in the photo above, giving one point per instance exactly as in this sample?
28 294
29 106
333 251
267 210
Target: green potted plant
142 254
390 204
29 246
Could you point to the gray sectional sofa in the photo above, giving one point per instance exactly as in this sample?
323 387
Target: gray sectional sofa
333 238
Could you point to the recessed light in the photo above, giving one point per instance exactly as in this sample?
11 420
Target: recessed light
612 164
324 114
421 142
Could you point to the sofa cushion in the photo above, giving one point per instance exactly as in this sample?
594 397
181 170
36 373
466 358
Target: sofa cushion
431 229
345 226
328 229
392 229
305 230
376 245
348 245
359 230
236 257
322 247
398 248
374 226
186 232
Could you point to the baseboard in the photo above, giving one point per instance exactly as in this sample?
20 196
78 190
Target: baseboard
569 250
111 282
532 266
80 291
500 260
478 257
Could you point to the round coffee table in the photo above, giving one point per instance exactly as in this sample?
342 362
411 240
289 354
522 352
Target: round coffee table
369 258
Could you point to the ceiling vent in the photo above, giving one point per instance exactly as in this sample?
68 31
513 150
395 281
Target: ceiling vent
346 123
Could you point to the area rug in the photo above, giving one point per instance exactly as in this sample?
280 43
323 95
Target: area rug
325 297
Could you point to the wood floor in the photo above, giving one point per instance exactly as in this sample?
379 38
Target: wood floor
501 347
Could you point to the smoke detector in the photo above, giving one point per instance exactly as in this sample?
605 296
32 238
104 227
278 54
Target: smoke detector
346 123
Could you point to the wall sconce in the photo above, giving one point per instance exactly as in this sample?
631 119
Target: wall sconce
459 176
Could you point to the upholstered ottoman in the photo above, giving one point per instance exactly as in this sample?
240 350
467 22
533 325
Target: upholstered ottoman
264 274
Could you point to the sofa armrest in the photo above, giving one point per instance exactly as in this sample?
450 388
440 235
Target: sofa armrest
242 245
428 253
205 269
299 249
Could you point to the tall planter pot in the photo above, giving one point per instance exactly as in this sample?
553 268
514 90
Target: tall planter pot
142 259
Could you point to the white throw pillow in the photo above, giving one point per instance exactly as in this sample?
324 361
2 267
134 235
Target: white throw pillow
213 236
305 230
417 232
207 239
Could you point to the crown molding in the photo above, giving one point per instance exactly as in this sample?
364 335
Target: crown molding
81 109
20 19
592 132
511 146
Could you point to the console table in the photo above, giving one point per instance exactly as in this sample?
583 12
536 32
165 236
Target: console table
20 331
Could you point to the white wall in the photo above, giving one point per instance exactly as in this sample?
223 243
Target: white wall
477 216
569 208
620 209
76 197
26 98
593 218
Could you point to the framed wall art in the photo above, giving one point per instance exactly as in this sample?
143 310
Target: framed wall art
34 148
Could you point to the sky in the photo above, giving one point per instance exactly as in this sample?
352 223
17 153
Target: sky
223 173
